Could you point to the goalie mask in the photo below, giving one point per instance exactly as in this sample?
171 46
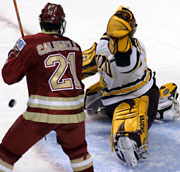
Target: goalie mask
52 17
121 23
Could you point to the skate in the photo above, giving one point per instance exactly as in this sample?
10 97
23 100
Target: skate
128 151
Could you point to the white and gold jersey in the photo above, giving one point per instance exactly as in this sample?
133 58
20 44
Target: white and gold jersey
124 75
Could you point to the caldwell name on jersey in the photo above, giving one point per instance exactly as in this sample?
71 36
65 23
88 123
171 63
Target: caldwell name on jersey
52 65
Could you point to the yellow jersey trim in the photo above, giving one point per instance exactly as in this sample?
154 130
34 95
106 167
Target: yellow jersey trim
54 119
5 165
81 163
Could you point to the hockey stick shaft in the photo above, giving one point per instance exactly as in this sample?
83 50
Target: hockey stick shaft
18 18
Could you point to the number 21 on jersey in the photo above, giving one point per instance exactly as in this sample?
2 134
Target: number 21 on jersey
57 81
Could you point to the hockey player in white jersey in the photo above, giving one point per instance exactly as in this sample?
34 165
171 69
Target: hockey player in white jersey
128 89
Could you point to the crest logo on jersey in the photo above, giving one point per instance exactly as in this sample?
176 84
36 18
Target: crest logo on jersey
21 44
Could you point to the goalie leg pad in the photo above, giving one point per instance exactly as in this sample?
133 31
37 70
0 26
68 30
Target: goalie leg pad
130 118
168 107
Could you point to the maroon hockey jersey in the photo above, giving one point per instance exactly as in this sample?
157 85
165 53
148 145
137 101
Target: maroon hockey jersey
52 65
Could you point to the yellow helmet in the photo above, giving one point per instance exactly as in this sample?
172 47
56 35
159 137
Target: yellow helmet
121 23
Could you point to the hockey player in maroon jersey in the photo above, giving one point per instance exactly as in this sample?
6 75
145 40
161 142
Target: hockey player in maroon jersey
52 65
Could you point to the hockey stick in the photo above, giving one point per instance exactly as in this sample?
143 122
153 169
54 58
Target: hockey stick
18 18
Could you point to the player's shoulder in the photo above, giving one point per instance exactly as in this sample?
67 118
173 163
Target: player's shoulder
105 37
69 39
31 37
138 42
28 39
102 46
